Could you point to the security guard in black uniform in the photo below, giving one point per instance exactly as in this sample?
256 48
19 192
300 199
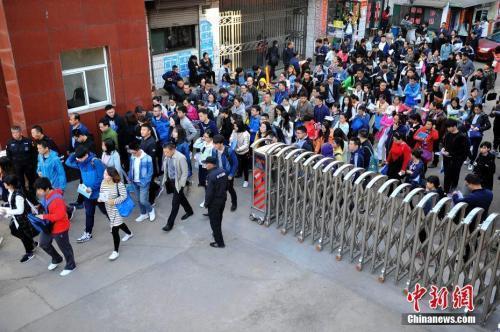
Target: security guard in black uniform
215 199
22 153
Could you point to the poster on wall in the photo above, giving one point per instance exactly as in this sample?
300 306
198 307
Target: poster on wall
206 39
378 9
321 23
362 20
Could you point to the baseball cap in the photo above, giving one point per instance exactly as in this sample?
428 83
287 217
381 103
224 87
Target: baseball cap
210 160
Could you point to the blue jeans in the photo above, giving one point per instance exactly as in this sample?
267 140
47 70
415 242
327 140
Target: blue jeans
90 205
142 193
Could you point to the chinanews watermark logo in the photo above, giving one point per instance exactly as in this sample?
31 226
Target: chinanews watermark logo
462 298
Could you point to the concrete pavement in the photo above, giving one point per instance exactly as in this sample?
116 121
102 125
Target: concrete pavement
261 281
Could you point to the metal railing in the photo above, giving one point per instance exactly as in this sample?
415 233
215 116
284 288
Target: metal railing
400 232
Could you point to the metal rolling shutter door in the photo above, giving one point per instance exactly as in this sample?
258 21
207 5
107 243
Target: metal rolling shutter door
164 18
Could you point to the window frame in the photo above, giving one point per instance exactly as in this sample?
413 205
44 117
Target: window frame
82 70
175 49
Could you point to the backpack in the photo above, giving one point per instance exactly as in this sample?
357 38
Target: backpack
373 164
42 225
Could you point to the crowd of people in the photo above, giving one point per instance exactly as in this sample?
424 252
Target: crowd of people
383 105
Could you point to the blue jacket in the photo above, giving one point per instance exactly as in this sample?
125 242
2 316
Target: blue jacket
360 122
417 177
445 51
162 126
229 160
145 169
279 96
411 93
386 49
53 169
92 171
82 128
320 113
210 125
253 126
357 158
478 198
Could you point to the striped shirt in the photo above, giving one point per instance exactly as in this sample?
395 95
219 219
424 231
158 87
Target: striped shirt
111 190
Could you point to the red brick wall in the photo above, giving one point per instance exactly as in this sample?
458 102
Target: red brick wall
10 103
40 30
4 109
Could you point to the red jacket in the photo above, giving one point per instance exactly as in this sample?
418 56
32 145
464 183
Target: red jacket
57 213
399 150
428 142
312 132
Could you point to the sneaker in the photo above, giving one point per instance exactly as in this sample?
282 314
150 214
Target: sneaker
114 255
202 205
141 218
245 184
127 237
72 214
152 215
52 266
65 272
84 238
466 162
27 257
470 167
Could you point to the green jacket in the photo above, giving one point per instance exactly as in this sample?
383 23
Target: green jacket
348 83
111 134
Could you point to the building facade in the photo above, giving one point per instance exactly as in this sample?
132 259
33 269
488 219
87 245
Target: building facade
60 57
179 29
459 15
240 30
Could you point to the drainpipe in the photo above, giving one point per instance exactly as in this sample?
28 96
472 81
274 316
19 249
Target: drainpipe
151 77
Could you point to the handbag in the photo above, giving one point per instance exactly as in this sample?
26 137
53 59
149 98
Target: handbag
475 133
427 155
126 207
40 225
491 96
43 225
384 170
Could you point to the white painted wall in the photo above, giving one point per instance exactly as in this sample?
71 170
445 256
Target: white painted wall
212 16
313 15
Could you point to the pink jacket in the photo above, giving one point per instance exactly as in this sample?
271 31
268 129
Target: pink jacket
192 113
343 56
385 122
